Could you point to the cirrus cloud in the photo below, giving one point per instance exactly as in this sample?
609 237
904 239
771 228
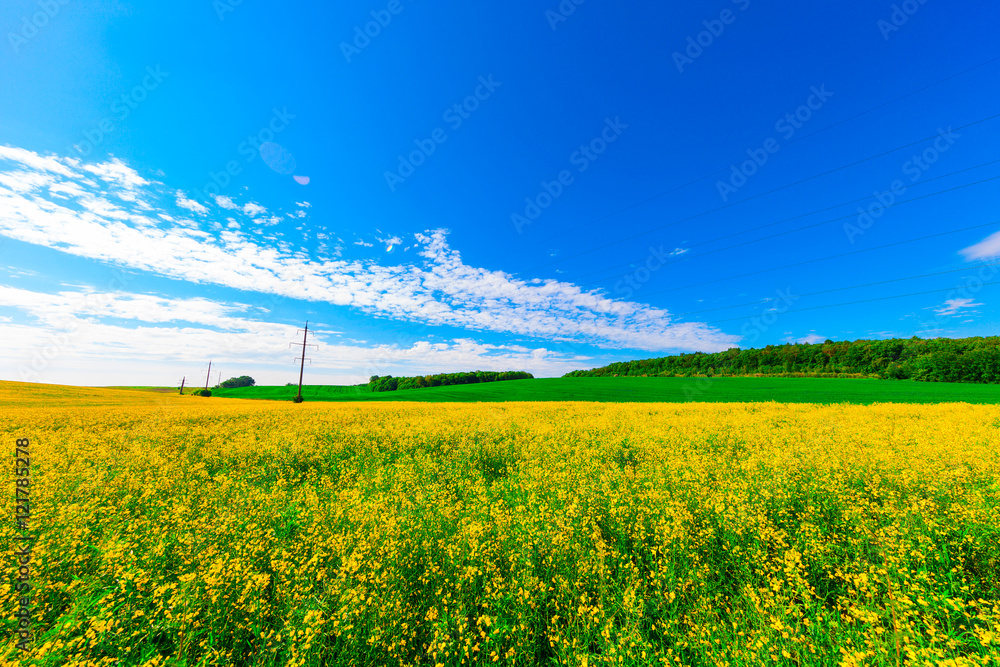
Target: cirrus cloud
52 202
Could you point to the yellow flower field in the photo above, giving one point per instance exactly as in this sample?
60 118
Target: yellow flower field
176 530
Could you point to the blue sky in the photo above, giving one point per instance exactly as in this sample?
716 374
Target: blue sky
442 186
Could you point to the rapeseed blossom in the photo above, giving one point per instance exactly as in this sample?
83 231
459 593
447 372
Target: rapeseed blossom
173 530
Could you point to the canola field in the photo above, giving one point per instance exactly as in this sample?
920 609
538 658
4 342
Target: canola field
175 530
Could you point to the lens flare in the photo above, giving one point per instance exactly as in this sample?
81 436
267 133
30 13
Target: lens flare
277 158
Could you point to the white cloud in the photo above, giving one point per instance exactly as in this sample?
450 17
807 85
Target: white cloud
225 202
953 306
184 202
986 249
435 287
303 204
253 209
117 173
808 338
15 272
84 325
53 309
364 244
37 162
390 242
679 251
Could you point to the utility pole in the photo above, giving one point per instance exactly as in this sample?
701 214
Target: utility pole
209 375
302 367
182 384
219 383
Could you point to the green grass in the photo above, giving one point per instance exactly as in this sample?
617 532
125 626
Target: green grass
309 392
653 390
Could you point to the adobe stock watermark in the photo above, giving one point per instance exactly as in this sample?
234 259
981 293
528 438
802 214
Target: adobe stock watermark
696 388
454 116
22 516
249 149
363 35
966 291
915 168
561 13
223 7
633 281
50 349
581 158
759 325
389 351
32 25
753 329
121 109
901 13
786 126
714 28
235 342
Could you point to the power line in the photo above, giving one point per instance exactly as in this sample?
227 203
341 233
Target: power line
757 196
723 170
799 229
823 259
849 303
803 215
838 289
819 224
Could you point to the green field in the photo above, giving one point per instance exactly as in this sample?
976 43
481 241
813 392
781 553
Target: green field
653 390
310 392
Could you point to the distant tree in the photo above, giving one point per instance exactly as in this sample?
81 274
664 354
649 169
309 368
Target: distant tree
936 360
242 381
389 383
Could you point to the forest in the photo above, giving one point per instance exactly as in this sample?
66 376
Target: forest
927 360
390 383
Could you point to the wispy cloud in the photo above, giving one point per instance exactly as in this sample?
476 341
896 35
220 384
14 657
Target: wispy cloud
988 248
253 209
15 272
953 306
390 242
810 339
184 202
225 202
435 288
105 327
117 173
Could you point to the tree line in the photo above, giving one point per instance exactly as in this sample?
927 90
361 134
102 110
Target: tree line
927 360
241 381
390 383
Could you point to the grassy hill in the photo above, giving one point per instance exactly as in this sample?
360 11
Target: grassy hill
653 390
